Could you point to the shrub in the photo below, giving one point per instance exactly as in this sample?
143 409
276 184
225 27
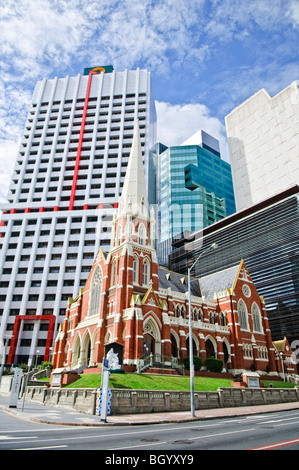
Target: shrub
214 365
196 361
47 364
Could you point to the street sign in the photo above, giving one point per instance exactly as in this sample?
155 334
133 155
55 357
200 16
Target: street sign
15 388
105 364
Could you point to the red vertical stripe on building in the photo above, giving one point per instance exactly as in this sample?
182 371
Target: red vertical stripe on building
78 157
16 332
49 337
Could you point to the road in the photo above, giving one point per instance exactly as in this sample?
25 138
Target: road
278 430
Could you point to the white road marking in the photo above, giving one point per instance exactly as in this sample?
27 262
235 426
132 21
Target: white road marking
41 448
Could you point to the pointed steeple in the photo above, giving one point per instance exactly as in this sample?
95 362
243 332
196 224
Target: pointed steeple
134 195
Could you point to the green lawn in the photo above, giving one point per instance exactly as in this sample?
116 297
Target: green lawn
277 384
162 382
150 382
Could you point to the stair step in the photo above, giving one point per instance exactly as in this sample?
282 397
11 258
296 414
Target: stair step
161 371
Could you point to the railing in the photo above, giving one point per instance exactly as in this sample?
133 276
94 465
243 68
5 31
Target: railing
159 360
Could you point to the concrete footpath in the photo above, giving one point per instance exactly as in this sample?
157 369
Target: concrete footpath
36 412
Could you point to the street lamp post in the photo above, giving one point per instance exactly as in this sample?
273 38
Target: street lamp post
36 358
283 372
214 245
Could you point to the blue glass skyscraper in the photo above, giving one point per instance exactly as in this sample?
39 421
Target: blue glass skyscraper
194 190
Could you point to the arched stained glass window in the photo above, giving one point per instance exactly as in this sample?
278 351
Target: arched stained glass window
118 236
256 318
95 295
243 315
112 280
145 272
135 270
141 235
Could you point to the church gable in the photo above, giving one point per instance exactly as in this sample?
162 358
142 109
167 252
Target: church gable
243 274
151 298
94 287
244 287
99 260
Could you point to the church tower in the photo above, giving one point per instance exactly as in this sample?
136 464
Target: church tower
132 257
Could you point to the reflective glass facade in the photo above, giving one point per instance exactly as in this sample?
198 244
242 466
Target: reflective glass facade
194 190
266 236
196 186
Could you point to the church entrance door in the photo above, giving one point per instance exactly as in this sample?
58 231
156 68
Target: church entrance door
148 345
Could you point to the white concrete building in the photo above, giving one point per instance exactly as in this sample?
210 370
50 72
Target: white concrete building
68 176
263 140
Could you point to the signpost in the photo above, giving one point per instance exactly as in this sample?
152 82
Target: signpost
27 378
105 390
15 388
99 401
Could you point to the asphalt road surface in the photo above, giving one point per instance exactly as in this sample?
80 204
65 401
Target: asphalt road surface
271 431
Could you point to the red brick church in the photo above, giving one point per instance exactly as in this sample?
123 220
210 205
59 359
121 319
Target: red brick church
131 301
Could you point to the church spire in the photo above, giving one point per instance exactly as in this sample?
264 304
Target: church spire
134 195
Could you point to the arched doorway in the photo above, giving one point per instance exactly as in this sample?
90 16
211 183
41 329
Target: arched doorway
226 356
174 346
76 352
210 351
85 354
148 345
194 347
88 355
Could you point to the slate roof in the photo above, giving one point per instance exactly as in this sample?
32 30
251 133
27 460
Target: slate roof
218 282
171 279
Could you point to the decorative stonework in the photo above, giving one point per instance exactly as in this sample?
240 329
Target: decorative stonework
246 290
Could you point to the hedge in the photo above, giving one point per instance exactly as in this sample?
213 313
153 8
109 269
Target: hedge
214 365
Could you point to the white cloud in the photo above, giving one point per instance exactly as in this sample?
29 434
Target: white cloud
228 17
177 123
8 153
293 12
40 38
35 31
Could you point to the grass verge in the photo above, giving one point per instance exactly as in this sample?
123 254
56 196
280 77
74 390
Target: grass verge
151 382
162 382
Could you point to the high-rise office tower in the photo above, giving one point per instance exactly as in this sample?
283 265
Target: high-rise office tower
67 179
263 139
194 190
265 235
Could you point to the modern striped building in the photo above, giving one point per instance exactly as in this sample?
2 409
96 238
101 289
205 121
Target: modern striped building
66 183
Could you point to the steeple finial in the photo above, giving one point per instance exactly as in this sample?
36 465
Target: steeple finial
134 196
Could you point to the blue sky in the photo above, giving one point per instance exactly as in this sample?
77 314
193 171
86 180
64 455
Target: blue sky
205 56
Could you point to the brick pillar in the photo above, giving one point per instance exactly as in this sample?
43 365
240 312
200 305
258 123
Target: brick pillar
265 323
220 354
183 344
139 334
166 342
129 339
202 348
